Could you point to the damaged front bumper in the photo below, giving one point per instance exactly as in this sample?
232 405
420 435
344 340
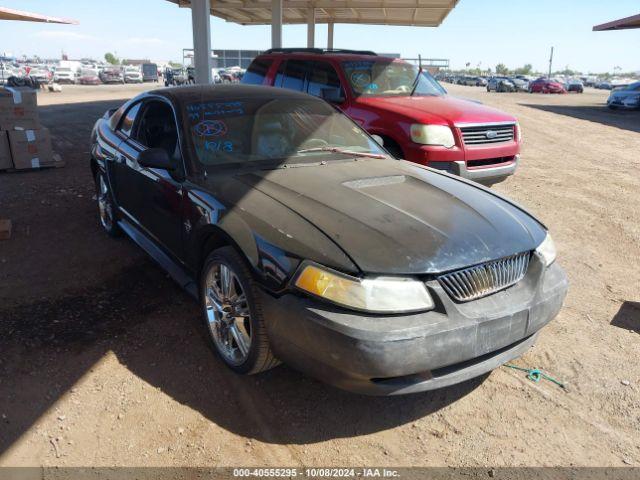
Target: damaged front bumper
400 354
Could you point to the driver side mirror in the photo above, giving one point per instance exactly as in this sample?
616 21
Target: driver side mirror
156 158
332 95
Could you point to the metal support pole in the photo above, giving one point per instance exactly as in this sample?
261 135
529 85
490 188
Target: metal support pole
330 36
200 21
311 27
276 23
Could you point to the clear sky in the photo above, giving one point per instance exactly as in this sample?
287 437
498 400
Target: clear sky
485 32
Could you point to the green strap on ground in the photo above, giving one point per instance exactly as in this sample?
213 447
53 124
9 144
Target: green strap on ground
535 374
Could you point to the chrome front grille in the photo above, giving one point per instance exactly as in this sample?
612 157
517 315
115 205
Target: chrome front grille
487 134
482 280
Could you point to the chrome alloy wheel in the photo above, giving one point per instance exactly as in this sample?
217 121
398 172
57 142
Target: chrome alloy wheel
104 204
228 314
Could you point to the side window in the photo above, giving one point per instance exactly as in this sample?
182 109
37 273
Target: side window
257 71
126 124
294 74
157 128
322 75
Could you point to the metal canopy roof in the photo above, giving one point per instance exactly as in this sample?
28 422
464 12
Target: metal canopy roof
10 14
622 24
424 13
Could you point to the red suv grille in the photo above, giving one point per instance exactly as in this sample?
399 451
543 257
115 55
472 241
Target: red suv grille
484 134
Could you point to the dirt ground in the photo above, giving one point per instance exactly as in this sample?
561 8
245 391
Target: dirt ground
103 361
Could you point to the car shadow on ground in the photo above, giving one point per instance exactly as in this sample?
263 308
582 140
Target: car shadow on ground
628 317
624 119
154 329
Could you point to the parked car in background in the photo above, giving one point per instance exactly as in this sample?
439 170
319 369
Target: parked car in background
41 73
64 75
149 72
544 85
575 85
89 76
520 84
132 74
474 81
5 73
112 75
308 243
626 97
176 76
215 75
407 108
604 85
500 84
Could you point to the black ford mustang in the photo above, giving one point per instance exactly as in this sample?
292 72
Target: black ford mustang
306 242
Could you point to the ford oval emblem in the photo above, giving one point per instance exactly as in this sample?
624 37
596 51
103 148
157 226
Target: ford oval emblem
491 134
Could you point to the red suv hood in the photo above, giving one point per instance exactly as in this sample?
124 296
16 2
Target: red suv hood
437 109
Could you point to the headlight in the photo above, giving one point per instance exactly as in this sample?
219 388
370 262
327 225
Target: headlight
518 132
432 135
377 295
547 250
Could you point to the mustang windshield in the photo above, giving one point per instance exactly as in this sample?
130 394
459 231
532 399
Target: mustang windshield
267 130
370 78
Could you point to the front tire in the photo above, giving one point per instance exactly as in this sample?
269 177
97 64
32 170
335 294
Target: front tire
232 312
106 207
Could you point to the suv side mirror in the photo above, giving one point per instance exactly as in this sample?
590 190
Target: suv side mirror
332 95
156 158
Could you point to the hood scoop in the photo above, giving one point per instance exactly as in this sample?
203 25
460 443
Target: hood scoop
375 182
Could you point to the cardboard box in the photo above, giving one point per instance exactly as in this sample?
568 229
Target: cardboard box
31 149
5 152
18 109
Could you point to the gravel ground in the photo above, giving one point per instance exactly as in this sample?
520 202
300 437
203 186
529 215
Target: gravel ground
104 361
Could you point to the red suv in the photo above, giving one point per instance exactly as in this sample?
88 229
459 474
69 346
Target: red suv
411 112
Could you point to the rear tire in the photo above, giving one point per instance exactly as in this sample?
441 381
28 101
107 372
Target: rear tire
233 315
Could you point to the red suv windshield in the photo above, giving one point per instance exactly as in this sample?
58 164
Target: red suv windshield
385 77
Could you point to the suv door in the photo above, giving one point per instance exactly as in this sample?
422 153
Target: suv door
292 74
155 199
322 76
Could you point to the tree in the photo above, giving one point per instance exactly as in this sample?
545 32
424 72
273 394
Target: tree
501 69
111 58
526 70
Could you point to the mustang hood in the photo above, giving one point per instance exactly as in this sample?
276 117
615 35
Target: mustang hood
444 109
394 217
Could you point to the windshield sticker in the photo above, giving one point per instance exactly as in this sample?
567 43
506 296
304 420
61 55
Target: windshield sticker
215 109
358 65
218 146
210 128
361 79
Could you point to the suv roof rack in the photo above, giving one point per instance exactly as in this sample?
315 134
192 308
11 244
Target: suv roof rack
320 51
